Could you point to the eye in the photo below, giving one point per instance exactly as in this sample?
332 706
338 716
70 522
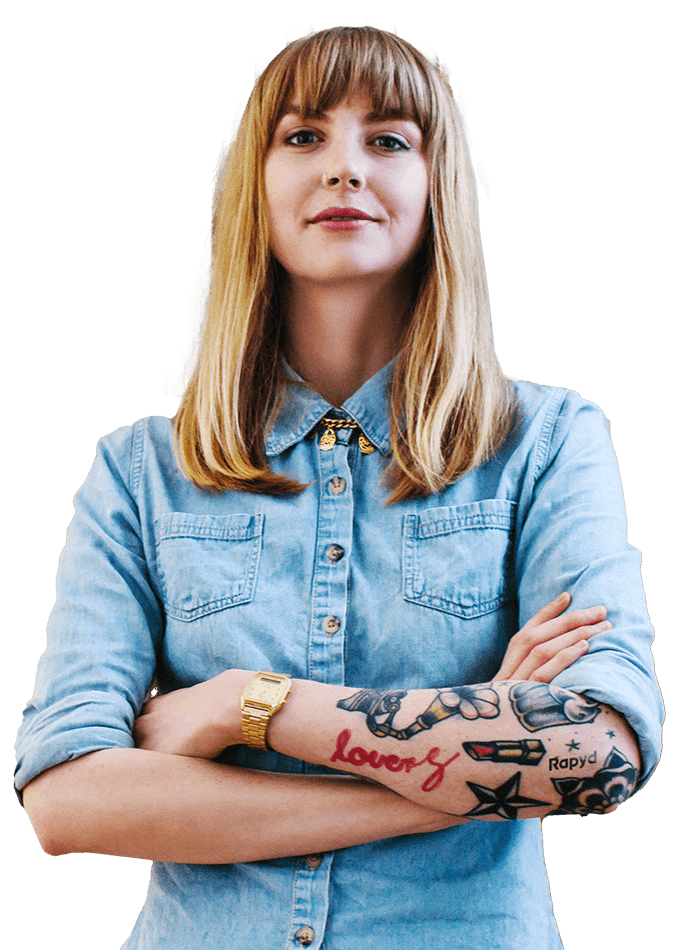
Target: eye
391 143
302 137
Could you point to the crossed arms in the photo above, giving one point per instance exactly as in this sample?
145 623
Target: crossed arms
500 751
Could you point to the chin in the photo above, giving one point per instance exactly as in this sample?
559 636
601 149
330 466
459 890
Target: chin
348 269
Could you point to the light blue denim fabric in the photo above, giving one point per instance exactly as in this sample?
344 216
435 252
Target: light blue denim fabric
159 578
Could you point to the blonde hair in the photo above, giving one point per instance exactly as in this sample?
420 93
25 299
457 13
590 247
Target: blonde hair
451 404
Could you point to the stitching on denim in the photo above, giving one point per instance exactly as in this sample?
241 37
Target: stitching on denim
137 454
211 527
541 455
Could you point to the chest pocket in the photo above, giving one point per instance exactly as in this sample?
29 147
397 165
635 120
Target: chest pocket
207 562
456 558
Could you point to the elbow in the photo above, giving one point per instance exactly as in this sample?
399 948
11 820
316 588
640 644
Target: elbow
48 815
53 845
614 781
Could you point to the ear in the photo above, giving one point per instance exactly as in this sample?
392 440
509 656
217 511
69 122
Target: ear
615 760
565 786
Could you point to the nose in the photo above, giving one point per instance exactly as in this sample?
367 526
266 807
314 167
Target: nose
344 167
353 180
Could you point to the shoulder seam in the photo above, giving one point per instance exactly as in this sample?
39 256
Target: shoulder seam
545 438
137 454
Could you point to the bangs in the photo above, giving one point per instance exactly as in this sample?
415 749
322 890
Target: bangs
319 71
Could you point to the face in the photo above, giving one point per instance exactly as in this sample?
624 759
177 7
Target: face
347 193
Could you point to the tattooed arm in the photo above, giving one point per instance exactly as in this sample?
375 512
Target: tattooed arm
495 750
499 750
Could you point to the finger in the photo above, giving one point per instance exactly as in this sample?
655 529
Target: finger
544 653
563 624
524 640
550 611
537 646
536 629
568 625
528 639
559 663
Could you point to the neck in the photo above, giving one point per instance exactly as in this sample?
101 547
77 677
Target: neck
339 335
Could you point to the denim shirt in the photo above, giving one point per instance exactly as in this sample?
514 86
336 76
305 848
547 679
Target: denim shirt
161 579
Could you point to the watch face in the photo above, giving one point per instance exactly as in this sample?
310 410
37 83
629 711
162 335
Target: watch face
267 689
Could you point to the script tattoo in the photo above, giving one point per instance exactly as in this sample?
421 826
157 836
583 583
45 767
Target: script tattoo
380 706
393 763
538 705
610 785
504 800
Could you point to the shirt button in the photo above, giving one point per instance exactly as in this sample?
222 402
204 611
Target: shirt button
331 625
337 485
314 861
334 552
304 936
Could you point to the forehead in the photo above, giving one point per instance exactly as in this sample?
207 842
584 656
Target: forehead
359 101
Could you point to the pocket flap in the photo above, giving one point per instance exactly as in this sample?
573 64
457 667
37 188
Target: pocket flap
207 562
455 558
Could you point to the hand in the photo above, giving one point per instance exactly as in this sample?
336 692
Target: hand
199 721
551 641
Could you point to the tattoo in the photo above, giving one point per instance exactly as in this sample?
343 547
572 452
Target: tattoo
611 733
504 800
358 756
611 785
572 762
521 751
573 746
538 705
381 706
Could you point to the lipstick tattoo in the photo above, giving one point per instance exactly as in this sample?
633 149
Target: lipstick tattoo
520 751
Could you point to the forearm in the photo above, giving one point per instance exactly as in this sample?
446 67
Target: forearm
502 751
157 806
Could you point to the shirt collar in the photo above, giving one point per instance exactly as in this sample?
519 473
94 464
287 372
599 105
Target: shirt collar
303 409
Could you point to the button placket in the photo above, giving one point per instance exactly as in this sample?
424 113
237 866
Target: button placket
334 542
310 901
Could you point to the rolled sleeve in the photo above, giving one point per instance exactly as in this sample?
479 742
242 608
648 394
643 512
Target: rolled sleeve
572 537
104 629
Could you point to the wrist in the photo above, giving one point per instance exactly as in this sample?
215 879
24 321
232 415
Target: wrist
233 682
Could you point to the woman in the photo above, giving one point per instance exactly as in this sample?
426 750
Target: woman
358 497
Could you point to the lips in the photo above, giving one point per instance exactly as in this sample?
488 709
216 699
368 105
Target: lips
341 214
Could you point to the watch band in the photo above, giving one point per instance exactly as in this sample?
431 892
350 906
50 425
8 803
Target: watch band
254 721
263 695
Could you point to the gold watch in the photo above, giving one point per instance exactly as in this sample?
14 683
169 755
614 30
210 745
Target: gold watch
264 694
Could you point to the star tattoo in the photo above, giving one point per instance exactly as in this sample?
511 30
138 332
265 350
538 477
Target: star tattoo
611 734
504 801
573 745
